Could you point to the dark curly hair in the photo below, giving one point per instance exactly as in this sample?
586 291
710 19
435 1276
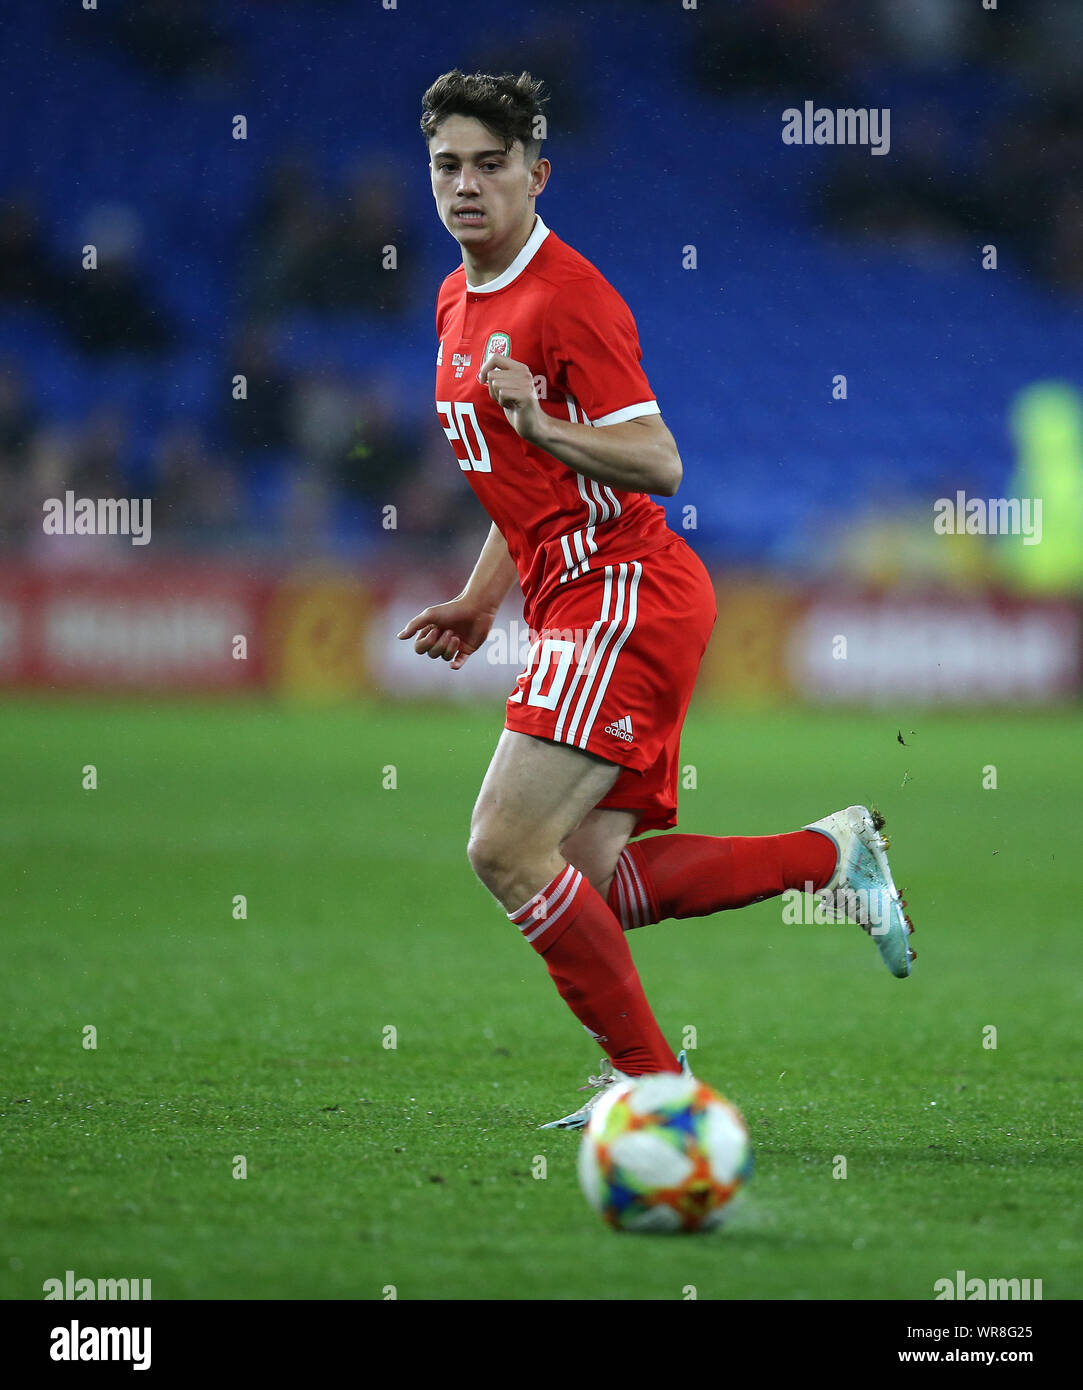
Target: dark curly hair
509 106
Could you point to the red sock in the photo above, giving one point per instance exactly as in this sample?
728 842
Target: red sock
697 875
583 946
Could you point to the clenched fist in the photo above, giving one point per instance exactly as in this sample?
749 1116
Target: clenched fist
511 385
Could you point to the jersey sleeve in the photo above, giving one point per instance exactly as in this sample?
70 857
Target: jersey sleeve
441 309
592 353
444 299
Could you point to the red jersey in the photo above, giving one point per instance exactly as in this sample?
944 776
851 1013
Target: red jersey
554 311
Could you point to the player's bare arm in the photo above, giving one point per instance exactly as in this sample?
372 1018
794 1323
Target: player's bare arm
456 629
636 456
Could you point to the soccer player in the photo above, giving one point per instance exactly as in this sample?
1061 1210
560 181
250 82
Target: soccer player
540 391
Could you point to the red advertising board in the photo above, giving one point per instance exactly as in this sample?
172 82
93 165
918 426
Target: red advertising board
330 633
168 627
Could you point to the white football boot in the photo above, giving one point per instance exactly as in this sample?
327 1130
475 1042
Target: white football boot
607 1076
861 889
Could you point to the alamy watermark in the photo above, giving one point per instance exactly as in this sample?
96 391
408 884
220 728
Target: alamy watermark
975 1289
515 645
999 516
809 907
101 516
75 1343
844 125
71 1289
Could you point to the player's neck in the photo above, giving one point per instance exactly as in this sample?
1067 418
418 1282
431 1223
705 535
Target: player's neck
484 268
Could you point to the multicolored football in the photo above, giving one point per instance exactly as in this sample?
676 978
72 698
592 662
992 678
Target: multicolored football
664 1153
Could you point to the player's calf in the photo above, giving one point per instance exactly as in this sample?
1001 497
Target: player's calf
699 875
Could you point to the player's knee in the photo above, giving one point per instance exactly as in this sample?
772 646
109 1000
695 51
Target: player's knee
490 858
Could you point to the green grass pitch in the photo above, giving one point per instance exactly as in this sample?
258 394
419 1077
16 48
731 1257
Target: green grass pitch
416 1167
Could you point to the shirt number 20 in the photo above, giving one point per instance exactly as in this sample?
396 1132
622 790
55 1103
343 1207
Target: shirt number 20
477 451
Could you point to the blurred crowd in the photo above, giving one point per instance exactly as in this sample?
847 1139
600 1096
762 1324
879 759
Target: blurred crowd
307 252
1021 184
315 455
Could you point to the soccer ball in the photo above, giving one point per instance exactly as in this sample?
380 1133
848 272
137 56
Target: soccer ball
664 1153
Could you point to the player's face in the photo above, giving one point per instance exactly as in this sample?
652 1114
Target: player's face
483 192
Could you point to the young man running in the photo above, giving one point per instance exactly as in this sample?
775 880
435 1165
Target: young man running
540 391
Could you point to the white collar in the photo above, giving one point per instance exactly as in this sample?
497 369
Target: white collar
519 264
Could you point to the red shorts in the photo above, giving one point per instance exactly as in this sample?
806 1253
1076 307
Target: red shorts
612 668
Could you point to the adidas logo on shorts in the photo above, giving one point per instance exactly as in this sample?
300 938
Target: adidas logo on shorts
621 729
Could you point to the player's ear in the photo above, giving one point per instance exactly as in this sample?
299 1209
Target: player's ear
539 176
